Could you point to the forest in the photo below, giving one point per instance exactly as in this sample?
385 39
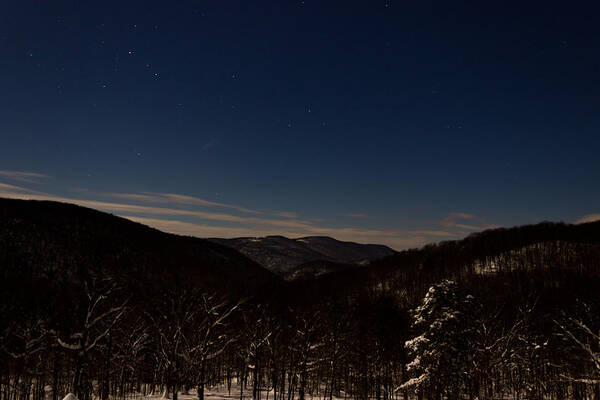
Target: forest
104 308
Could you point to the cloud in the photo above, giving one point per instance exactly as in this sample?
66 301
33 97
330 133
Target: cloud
191 229
457 220
356 215
438 233
588 218
162 198
6 188
210 144
285 214
22 176
460 215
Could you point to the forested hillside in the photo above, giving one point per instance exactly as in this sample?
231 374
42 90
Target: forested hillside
102 307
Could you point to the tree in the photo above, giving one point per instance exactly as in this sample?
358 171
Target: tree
208 337
585 337
440 351
103 309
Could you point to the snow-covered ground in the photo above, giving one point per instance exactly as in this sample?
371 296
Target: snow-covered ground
211 394
221 393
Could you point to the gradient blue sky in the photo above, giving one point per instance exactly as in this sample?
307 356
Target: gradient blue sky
372 121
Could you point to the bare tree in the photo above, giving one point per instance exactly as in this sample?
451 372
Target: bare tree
102 313
583 336
208 337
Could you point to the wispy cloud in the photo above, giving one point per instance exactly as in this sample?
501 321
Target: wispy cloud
23 176
210 144
465 221
285 214
6 188
357 215
172 198
588 218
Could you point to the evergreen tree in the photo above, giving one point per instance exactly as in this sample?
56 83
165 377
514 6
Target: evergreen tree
441 350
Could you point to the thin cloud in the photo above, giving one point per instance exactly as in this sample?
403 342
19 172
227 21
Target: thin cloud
210 144
197 230
438 233
22 176
588 218
162 198
357 215
5 187
285 214
458 220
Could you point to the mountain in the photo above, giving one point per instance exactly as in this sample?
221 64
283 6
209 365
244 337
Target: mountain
281 255
65 242
317 268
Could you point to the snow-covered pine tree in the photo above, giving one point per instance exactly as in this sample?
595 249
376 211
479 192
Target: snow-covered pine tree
441 350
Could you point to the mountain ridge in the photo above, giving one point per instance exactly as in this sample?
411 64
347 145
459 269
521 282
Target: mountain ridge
280 254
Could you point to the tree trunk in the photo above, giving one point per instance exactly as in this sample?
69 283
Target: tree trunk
201 379
106 385
55 379
76 385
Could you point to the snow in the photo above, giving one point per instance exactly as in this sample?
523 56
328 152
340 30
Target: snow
221 393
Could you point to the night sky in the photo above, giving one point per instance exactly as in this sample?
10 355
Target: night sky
372 121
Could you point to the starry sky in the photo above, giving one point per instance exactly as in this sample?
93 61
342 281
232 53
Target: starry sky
391 122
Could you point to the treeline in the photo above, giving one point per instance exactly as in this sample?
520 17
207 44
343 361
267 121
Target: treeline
519 319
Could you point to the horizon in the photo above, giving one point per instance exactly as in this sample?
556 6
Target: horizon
87 204
376 122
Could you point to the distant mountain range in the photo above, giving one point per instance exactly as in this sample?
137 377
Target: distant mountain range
298 257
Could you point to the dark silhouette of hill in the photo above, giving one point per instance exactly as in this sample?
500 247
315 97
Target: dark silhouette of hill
281 255
531 249
63 241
